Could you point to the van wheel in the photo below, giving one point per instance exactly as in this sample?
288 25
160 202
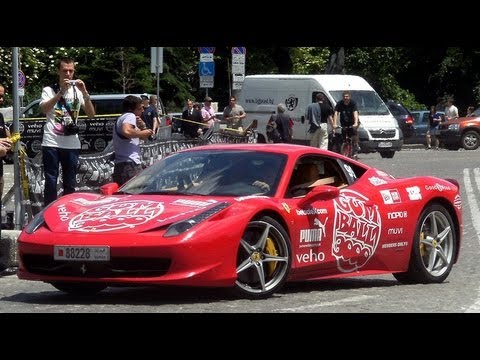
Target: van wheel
387 154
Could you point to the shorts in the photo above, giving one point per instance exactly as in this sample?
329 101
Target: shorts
124 171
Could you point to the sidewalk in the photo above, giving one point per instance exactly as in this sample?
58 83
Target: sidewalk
8 249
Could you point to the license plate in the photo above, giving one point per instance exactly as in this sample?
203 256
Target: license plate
384 144
81 253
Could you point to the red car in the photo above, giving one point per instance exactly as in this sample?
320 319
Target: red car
249 217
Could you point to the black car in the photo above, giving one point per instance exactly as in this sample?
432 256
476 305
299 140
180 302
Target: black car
404 119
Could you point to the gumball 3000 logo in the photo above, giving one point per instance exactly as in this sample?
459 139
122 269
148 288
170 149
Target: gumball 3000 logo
356 232
115 216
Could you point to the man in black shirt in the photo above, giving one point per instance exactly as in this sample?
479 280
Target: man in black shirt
346 113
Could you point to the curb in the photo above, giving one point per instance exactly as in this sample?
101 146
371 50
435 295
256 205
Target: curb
8 249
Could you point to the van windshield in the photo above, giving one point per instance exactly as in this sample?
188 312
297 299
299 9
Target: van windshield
368 102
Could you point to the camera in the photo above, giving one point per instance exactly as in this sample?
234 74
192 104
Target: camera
71 129
72 82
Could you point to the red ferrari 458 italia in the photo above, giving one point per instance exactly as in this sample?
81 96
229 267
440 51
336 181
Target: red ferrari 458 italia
249 217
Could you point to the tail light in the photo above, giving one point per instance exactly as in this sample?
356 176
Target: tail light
409 120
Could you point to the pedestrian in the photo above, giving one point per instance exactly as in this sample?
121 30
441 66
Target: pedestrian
208 113
5 142
234 114
434 119
346 115
150 114
451 111
282 122
193 115
470 110
61 103
126 140
319 116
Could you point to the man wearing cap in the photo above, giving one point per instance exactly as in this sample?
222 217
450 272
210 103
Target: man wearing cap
208 113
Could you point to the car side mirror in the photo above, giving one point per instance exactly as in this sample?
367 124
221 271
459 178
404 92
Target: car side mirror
319 193
109 189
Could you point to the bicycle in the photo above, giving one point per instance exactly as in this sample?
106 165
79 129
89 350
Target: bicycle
347 147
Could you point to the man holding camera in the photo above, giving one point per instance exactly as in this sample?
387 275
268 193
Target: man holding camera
61 146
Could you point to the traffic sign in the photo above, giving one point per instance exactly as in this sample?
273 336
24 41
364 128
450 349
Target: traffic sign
206 68
156 59
204 57
21 79
238 77
206 50
206 83
239 50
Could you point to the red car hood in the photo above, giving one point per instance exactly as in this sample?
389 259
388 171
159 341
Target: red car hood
85 212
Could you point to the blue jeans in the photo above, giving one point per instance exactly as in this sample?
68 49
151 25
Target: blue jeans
52 158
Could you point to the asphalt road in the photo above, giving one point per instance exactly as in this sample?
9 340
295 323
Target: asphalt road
372 294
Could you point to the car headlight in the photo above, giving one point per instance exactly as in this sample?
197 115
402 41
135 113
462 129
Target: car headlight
453 127
184 225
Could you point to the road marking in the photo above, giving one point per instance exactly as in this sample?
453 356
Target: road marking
328 303
475 218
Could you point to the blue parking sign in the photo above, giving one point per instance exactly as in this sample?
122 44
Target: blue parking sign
206 68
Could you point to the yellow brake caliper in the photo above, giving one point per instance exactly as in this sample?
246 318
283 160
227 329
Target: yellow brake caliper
422 245
270 249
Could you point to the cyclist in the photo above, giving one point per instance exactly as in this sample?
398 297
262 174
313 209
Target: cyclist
346 113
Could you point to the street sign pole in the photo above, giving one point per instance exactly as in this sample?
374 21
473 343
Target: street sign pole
19 208
157 68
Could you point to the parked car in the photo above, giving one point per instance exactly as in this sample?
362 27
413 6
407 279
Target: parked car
420 126
463 132
404 119
247 217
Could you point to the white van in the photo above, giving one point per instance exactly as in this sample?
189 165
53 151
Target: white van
378 129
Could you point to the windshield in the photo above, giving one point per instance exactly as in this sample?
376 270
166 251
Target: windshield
211 172
476 112
368 102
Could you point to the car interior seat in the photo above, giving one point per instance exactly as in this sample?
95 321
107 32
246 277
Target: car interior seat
302 177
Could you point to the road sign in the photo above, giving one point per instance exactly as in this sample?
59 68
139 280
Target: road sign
238 59
238 77
206 83
21 79
238 68
206 69
239 50
156 60
237 85
204 57
206 50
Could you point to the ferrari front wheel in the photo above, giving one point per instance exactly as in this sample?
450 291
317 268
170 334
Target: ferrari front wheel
263 259
433 250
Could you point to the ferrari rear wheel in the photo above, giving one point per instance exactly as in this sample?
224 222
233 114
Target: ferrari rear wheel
79 288
433 249
263 259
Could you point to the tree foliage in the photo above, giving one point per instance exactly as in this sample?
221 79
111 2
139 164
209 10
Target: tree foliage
418 77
